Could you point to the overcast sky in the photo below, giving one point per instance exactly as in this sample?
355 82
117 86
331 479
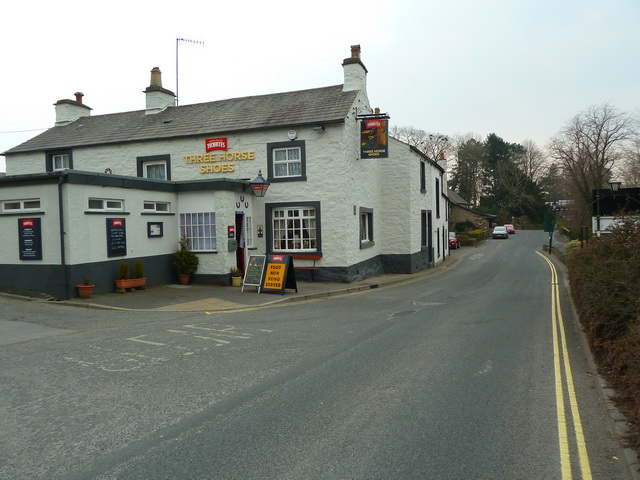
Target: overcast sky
518 68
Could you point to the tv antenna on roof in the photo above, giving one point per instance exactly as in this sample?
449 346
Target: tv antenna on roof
178 41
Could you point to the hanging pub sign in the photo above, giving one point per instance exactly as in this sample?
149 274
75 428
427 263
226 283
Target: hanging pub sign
30 238
116 237
279 274
374 136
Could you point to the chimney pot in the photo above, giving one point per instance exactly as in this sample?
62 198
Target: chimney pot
79 96
355 51
156 77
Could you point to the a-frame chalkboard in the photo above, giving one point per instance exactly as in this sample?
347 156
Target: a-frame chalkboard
254 272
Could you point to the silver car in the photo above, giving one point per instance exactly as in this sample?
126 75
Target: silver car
500 232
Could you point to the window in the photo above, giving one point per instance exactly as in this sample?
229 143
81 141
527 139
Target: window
56 161
160 207
294 229
423 177
286 161
106 205
366 227
200 229
157 167
11 206
60 162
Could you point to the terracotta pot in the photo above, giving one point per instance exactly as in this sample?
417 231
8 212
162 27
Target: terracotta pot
184 278
85 291
236 281
127 283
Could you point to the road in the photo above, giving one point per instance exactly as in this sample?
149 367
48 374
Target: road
479 372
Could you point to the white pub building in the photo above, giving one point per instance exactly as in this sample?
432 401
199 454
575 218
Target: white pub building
340 194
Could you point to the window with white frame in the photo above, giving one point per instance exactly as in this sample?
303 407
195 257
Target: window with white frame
106 205
286 161
200 229
157 167
157 170
27 205
57 161
160 207
294 229
366 227
61 161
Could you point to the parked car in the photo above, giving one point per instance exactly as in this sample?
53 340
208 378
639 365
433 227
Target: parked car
510 228
454 240
500 232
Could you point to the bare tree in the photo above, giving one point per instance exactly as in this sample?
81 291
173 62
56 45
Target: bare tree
591 145
532 162
630 171
431 144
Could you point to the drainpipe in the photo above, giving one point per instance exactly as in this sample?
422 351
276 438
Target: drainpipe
63 259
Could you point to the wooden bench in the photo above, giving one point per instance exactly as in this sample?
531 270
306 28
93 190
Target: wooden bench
307 256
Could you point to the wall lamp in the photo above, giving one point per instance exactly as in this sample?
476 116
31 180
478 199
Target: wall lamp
318 128
259 185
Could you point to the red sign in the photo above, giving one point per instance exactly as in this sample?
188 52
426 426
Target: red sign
374 124
212 144
277 258
27 222
117 222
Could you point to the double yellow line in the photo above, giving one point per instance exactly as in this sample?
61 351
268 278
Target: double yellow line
560 345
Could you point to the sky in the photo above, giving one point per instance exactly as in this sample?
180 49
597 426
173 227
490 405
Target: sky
521 69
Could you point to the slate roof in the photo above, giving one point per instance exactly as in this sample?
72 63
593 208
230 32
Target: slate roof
290 109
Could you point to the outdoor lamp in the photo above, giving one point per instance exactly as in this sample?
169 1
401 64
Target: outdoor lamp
259 185
615 185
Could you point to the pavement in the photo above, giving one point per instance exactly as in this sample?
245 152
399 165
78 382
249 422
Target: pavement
199 298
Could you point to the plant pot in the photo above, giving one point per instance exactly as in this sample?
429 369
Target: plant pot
85 291
130 283
184 278
236 281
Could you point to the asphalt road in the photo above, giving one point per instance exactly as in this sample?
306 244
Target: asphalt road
455 376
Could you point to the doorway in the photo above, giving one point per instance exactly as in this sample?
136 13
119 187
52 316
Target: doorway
240 239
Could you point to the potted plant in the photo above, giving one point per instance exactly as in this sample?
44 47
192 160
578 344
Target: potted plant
185 261
126 280
236 276
85 289
138 274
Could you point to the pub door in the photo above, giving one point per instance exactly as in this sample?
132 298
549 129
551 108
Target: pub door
240 238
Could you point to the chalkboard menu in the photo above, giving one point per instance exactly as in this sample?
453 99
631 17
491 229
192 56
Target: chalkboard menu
116 237
253 272
30 238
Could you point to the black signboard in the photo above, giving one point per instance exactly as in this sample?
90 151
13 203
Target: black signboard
254 271
279 274
116 237
374 138
30 238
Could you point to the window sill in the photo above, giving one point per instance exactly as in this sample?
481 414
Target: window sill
106 212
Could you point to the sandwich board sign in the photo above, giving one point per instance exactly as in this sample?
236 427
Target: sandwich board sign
279 274
254 272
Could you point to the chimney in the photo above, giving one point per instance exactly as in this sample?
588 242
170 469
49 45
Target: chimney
68 111
355 73
158 98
